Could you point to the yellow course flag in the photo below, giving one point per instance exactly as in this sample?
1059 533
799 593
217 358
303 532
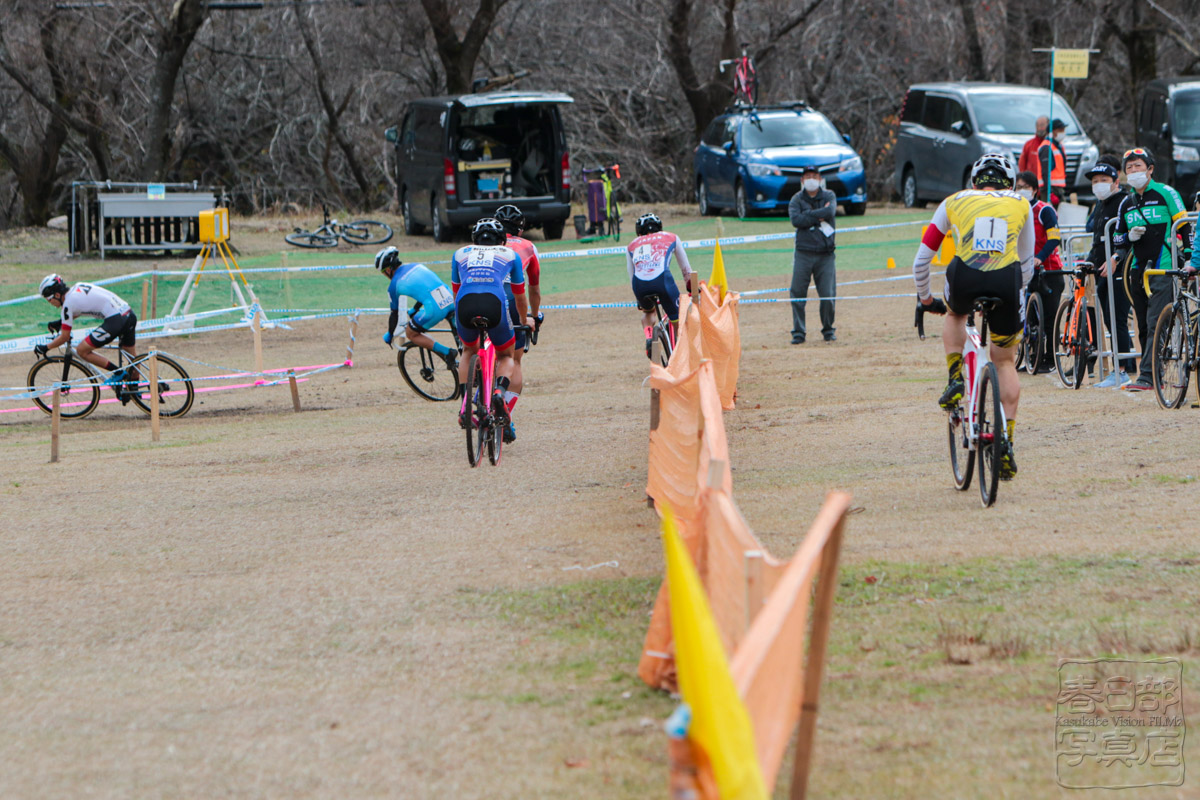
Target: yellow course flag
720 724
718 278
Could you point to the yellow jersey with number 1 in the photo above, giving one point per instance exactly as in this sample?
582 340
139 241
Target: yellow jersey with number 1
985 226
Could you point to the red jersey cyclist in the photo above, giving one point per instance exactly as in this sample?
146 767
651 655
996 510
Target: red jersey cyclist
514 226
648 260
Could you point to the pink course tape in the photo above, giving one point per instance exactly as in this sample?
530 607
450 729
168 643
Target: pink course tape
199 389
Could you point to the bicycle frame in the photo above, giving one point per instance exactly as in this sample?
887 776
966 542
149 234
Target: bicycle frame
606 181
745 76
976 357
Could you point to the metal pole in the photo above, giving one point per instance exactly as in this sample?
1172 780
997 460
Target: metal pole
1049 129
1109 227
154 430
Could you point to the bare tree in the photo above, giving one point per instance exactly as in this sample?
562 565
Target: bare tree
458 54
173 40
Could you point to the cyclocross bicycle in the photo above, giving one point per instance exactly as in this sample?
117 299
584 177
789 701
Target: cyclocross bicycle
81 383
1075 336
976 425
485 425
359 232
425 371
1176 349
661 333
745 78
1034 340
603 208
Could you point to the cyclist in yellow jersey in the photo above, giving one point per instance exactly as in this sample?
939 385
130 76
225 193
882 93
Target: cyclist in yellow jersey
993 235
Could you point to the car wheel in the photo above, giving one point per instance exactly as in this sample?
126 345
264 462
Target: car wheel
553 230
411 226
706 209
908 190
441 231
856 209
742 204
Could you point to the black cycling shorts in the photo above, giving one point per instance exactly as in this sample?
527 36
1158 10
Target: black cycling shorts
965 285
122 327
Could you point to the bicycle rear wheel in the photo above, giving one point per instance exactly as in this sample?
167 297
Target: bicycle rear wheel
962 457
77 400
664 343
366 231
311 240
1080 344
1034 334
1169 364
495 439
426 373
990 418
477 413
175 389
1062 344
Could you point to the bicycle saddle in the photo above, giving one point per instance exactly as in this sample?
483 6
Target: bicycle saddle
987 303
650 298
481 323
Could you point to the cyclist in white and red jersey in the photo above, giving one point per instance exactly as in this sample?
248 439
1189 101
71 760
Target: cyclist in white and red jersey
514 226
88 300
648 260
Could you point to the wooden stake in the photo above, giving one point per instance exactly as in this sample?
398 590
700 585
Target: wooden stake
145 297
814 665
295 390
256 327
154 293
55 418
154 396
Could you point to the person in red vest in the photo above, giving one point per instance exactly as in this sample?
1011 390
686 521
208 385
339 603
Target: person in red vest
1052 164
1047 263
1028 160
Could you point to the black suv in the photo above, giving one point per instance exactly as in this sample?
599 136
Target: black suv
460 158
1169 126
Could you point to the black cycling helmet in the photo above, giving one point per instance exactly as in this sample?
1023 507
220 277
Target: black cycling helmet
387 258
52 284
488 232
512 219
993 169
647 223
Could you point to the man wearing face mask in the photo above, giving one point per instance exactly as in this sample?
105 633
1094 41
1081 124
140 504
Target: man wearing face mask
1109 196
1047 263
812 211
1145 219
1052 164
1028 159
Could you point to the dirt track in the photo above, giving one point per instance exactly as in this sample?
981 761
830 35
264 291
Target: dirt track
272 604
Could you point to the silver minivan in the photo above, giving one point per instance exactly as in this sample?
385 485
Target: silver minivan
945 127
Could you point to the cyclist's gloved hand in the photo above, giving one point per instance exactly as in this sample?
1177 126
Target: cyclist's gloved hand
540 318
387 337
934 306
40 350
1137 233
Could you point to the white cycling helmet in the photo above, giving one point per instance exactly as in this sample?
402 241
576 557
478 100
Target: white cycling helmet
52 284
995 169
388 257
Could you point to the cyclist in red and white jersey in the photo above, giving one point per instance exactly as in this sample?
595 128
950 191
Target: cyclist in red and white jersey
88 300
648 259
514 226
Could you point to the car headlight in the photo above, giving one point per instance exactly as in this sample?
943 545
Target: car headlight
850 164
1185 153
1090 154
760 170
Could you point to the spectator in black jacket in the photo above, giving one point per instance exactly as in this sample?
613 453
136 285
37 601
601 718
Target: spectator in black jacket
812 211
1109 194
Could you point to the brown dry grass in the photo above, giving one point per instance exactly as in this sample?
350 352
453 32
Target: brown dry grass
333 604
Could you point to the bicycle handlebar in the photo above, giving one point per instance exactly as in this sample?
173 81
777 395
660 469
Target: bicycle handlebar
919 320
1181 273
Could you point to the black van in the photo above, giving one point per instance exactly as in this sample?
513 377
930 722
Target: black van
460 158
1168 125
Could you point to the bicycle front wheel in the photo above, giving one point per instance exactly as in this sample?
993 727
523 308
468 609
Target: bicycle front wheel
1034 334
311 240
990 419
962 457
366 231
175 389
1062 344
1169 364
426 373
477 413
76 400
1080 348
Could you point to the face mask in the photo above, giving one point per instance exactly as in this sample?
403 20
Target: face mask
1102 190
1138 180
1026 193
812 184
1058 137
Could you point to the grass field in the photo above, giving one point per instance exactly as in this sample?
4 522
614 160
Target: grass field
267 604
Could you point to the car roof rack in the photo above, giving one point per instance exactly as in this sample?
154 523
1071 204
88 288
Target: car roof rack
786 105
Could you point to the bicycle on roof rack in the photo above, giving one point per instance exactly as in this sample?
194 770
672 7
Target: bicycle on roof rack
745 77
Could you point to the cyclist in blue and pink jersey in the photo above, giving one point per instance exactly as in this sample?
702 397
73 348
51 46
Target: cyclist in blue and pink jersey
477 275
514 226
648 260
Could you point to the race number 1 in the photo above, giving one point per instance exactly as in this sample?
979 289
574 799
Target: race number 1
991 235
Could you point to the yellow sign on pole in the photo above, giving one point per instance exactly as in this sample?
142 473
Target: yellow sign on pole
1070 63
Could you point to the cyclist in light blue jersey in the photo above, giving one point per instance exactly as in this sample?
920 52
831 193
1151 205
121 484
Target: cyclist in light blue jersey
433 299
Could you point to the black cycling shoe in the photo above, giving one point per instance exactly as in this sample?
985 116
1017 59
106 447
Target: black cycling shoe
510 432
451 360
500 407
952 394
464 419
1008 463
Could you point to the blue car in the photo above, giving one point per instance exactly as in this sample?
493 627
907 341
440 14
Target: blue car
751 159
